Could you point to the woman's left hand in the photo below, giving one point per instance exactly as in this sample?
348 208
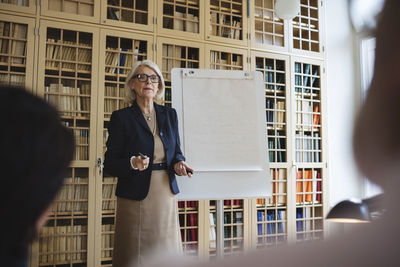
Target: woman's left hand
182 169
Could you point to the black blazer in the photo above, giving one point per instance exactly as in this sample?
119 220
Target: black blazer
129 134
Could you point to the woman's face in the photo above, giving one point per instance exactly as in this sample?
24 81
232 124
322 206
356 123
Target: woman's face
144 89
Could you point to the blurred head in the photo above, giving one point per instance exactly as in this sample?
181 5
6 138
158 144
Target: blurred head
133 82
36 150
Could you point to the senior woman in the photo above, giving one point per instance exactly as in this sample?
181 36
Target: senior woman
143 151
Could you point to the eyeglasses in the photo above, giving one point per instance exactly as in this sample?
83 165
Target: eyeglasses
144 77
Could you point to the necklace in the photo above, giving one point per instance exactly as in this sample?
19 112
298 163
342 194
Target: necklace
148 116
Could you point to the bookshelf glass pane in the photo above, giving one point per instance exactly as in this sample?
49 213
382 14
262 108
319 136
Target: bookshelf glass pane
176 56
79 7
13 42
132 11
63 240
306 27
226 19
68 73
268 28
121 55
309 208
271 212
233 226
109 205
225 61
275 105
181 15
16 2
308 138
189 226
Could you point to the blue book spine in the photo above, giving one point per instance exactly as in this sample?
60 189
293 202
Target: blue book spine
299 223
259 225
280 223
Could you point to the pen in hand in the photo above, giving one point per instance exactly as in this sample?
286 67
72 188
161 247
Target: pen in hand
142 156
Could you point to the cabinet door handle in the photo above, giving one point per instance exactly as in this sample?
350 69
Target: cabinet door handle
100 165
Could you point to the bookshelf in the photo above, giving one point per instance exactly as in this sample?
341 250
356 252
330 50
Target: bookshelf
76 55
25 6
181 18
306 28
65 80
191 213
16 53
64 239
130 14
80 10
267 30
226 21
309 141
220 58
177 54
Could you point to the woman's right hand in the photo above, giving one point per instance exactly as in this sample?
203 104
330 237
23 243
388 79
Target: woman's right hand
141 163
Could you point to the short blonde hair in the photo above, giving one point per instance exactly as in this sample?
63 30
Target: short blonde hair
130 95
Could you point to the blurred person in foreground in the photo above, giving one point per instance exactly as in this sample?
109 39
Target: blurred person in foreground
376 143
36 150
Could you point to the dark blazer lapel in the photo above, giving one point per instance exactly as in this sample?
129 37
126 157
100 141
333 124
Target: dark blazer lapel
139 118
161 116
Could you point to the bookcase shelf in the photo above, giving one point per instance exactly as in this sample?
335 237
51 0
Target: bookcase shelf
181 18
189 225
306 28
63 240
16 51
24 6
131 14
267 30
80 10
221 58
76 54
177 54
226 21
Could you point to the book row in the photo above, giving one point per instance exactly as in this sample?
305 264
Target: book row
126 12
271 223
62 243
69 100
13 42
107 240
14 79
225 61
275 111
175 56
16 2
307 114
73 196
69 53
308 186
308 147
119 61
109 199
225 25
180 21
278 186
276 150
308 222
190 204
189 232
112 104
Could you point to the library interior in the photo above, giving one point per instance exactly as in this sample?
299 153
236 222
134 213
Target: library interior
316 69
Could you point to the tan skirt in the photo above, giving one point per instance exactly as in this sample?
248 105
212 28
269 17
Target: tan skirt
148 227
